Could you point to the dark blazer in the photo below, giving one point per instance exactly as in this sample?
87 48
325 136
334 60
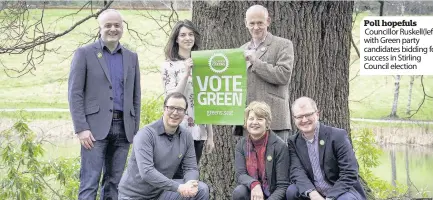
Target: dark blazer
277 162
337 160
90 92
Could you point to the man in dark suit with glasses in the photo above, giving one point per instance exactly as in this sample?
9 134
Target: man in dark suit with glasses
322 161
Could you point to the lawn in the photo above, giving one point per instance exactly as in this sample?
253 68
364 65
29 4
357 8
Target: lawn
370 96
30 116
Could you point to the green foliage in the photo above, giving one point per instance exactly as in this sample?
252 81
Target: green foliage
151 109
368 154
24 173
424 193
366 151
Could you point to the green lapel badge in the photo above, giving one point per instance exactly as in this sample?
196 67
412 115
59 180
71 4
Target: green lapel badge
322 142
180 155
269 158
99 55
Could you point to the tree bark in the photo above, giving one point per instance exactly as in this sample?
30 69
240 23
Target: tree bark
397 82
320 32
409 97
395 101
381 4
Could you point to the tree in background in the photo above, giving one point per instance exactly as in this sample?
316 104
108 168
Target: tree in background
320 32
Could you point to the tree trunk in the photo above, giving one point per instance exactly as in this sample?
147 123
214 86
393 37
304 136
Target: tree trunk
320 32
397 82
381 4
396 93
402 8
409 97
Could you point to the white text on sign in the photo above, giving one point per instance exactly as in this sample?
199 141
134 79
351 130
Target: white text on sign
213 93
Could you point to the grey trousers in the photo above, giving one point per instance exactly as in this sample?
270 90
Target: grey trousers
202 194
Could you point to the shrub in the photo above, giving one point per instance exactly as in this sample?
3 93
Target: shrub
368 154
25 174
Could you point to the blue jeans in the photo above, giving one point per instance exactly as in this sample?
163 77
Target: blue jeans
108 155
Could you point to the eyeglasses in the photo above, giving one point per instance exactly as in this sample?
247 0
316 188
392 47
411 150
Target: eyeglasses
178 109
308 115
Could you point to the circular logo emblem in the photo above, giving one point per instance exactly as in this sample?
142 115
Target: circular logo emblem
218 63
269 158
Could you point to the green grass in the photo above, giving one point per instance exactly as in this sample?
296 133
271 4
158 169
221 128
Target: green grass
358 124
69 148
29 104
377 95
30 116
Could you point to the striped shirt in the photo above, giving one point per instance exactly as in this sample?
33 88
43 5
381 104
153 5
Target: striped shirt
313 152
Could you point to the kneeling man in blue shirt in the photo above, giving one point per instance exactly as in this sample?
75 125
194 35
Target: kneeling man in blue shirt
159 149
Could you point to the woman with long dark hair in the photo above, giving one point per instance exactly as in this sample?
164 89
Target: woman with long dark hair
176 76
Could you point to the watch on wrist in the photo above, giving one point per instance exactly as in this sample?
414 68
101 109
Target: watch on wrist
330 198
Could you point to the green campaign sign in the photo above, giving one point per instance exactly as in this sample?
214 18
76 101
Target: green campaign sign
220 86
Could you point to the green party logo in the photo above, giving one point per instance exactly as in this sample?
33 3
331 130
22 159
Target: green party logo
218 63
219 89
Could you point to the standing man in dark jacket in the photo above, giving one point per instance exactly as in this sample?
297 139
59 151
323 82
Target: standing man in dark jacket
323 163
104 101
